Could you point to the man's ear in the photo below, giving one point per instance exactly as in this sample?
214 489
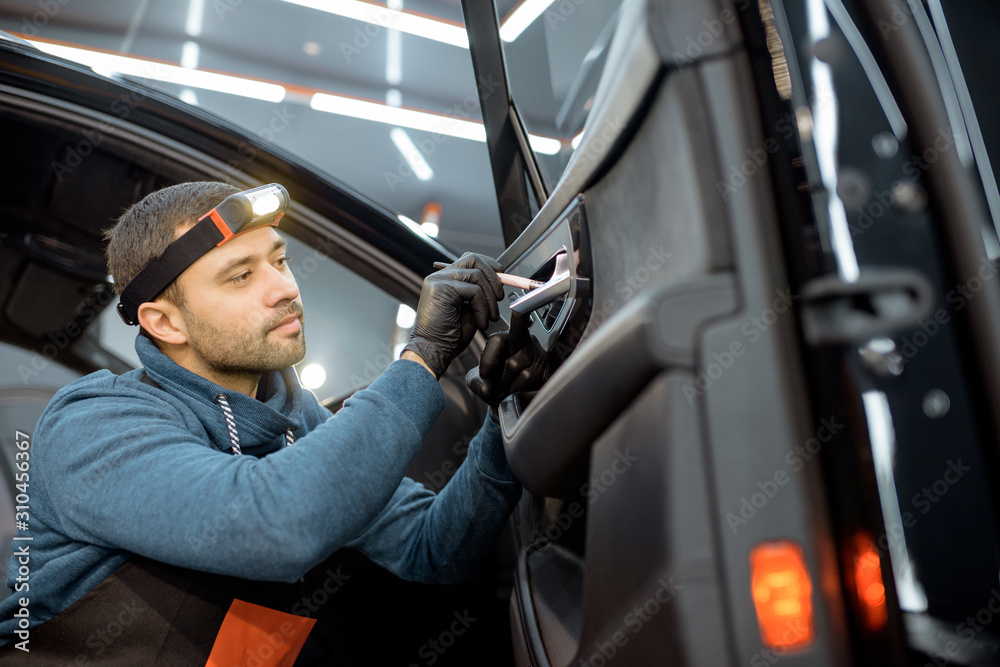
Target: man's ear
163 321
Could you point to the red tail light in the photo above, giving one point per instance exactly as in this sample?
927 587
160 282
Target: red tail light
782 595
868 584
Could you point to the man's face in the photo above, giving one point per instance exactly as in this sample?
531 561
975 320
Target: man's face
242 311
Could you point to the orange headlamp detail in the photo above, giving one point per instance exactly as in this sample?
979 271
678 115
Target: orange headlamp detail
238 213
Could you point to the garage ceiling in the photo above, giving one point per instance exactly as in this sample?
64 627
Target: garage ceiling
306 47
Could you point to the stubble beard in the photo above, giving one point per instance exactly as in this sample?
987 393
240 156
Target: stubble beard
247 352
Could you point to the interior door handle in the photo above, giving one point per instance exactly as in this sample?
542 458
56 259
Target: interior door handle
555 287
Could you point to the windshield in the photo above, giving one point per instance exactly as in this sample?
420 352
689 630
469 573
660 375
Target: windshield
554 62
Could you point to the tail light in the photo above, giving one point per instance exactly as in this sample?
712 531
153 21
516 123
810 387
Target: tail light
868 585
782 595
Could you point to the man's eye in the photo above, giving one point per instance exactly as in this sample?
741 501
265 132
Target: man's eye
282 262
242 278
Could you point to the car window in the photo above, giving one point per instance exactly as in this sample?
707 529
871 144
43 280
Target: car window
554 63
23 368
29 381
353 329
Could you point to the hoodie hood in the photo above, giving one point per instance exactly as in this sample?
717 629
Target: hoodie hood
261 422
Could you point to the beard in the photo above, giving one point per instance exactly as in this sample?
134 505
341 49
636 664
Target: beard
247 352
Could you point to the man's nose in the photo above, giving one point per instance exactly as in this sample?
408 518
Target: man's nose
282 287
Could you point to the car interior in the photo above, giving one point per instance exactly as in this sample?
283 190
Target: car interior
696 452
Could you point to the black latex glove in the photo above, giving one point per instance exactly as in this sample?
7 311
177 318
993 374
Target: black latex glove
455 302
512 361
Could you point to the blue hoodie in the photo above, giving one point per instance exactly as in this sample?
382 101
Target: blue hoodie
118 467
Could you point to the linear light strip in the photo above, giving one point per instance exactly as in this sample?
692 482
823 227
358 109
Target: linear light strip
149 69
523 16
189 55
418 120
414 24
415 120
411 154
272 92
195 17
544 145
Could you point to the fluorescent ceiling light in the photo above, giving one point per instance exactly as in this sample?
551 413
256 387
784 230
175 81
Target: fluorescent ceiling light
418 120
313 376
195 15
521 18
415 120
430 228
413 24
108 63
406 317
394 51
412 154
394 57
148 69
189 55
544 145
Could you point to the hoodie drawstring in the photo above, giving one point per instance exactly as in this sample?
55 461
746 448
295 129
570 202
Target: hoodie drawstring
234 436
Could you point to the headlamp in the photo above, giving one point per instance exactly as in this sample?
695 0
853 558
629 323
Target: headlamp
237 213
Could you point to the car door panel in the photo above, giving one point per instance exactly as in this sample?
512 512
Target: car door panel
676 242
675 229
752 433
655 288
546 605
663 372
548 445
649 540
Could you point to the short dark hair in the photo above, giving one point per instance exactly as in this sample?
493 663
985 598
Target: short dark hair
145 230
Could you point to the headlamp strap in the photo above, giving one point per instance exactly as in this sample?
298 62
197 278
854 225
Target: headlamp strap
233 216
159 273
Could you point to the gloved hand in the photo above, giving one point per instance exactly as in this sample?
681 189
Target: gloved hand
512 361
454 303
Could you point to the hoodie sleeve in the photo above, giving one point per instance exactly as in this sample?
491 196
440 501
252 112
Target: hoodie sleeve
444 537
128 471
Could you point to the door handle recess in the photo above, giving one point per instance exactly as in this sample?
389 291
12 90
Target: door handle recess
556 286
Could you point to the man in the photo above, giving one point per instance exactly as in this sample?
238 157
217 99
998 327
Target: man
160 498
